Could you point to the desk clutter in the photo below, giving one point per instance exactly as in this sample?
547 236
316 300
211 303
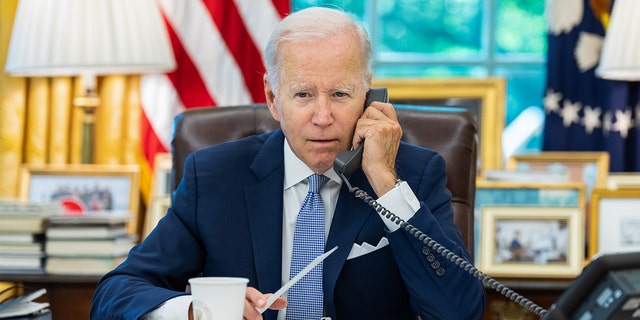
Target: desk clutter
23 307
38 238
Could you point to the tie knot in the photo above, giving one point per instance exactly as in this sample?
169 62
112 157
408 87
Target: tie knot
316 181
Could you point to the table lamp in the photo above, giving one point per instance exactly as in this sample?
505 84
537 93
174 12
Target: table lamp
620 58
88 38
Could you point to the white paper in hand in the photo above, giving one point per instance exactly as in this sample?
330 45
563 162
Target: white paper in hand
295 279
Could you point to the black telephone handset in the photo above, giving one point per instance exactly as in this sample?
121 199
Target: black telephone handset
347 162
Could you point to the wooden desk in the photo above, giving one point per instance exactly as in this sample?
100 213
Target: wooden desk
69 296
541 292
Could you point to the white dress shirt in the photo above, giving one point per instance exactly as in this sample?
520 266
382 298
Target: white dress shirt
400 200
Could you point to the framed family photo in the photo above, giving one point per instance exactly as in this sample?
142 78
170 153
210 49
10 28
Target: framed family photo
615 222
85 189
483 97
543 242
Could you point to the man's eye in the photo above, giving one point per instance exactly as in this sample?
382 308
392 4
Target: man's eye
341 94
302 95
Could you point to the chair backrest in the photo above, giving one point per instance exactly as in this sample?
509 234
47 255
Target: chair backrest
452 132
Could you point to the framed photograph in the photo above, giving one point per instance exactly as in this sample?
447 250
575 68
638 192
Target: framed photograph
491 193
84 189
615 223
591 168
484 97
158 207
543 242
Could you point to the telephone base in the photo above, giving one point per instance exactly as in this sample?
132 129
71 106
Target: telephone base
607 289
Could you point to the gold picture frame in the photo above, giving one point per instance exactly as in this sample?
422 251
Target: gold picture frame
158 207
620 231
588 167
623 180
532 242
489 92
85 187
494 193
577 163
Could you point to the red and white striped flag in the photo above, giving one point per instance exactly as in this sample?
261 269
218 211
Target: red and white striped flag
218 46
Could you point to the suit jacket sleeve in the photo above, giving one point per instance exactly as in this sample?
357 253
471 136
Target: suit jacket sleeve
155 270
438 288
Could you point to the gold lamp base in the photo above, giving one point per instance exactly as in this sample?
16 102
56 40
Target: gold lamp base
88 103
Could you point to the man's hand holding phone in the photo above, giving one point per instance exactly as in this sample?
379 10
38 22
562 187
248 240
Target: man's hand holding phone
379 130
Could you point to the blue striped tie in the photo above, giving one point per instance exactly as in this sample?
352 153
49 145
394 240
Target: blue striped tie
305 297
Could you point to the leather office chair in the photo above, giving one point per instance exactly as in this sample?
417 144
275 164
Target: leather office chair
452 132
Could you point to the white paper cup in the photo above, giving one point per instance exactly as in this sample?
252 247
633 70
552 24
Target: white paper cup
217 298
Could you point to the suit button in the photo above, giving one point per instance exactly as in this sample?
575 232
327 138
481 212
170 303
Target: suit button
435 264
425 251
431 258
440 272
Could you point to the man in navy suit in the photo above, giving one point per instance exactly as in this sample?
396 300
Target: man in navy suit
234 212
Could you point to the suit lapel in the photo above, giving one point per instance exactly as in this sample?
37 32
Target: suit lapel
264 207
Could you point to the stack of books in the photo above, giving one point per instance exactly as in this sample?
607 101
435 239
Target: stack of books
86 245
22 234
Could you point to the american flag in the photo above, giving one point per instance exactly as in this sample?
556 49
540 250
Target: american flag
584 112
218 46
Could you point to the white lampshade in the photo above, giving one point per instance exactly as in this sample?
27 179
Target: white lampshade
620 58
88 37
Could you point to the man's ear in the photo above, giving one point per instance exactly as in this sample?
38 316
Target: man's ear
271 98
268 91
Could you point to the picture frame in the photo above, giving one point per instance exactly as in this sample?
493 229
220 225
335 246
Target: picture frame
623 180
484 97
161 176
590 167
85 188
158 207
495 193
532 242
615 224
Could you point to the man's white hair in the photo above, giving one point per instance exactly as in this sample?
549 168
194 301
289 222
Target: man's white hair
311 24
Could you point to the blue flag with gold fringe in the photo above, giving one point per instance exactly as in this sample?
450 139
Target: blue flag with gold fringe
584 112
